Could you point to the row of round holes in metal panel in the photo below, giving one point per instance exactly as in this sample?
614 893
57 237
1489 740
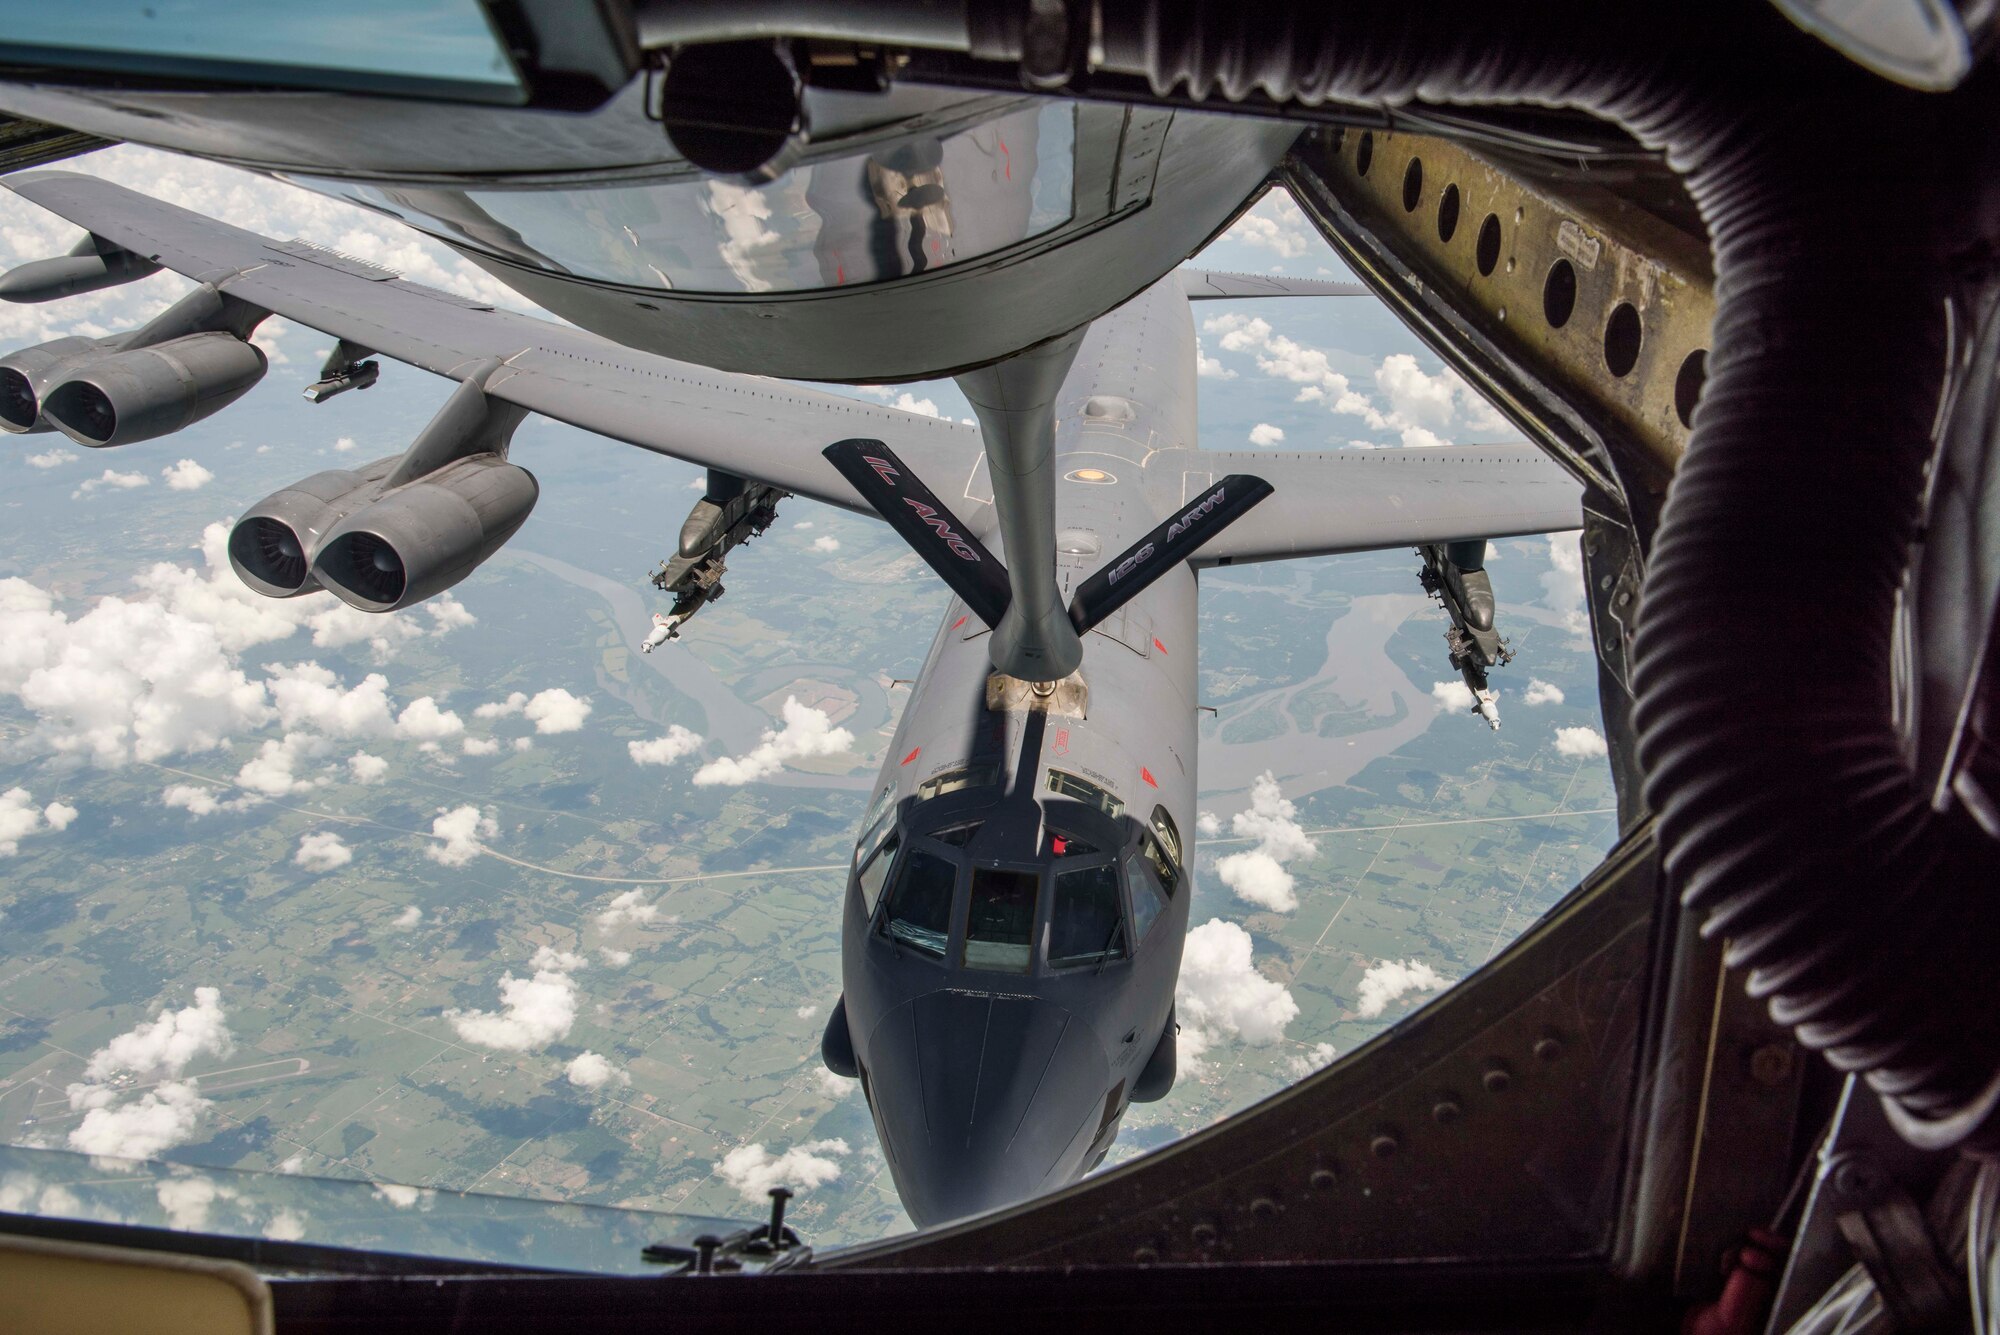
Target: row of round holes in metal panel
1623 331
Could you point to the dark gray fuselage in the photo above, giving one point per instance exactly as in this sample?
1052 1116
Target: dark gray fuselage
999 1077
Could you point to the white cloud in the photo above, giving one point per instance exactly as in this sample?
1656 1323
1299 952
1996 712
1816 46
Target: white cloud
187 475
422 720
1266 434
1541 692
910 403
534 1012
826 542
365 768
273 770
512 705
405 1197
1580 743
754 1170
408 918
343 445
114 479
1221 995
1258 875
197 801
833 1086
458 833
52 458
165 1115
556 710
807 732
803 524
628 906
617 959
1562 586
286 1226
1313 1059
524 743
1452 696
19 818
481 746
807 1010
307 695
1390 980
1207 824
589 1070
187 1201
322 851
1276 225
447 614
1210 367
665 750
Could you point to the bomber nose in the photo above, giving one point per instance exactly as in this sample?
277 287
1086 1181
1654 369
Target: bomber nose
984 1100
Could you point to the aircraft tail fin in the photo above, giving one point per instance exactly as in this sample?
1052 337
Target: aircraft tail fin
1177 538
931 529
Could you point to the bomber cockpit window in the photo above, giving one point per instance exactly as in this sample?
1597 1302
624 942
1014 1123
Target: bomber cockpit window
919 913
1163 866
1063 845
1149 897
1078 789
1000 924
875 873
1085 925
958 836
957 780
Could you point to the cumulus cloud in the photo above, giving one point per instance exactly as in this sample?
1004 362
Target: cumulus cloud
1541 692
534 1012
617 959
20 817
754 1170
910 403
322 851
589 1070
826 542
187 475
1221 995
343 445
422 720
458 832
1210 367
556 710
1275 224
199 801
627 907
168 1113
1391 980
1266 434
113 479
807 732
1580 743
364 768
1207 824
1452 696
481 746
405 1197
1258 874
187 1201
408 918
512 705
160 672
55 458
273 771
665 750
1562 585
1312 1059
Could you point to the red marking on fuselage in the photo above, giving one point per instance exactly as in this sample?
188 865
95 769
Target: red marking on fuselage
1006 158
1157 645
913 755
1061 746
956 624
1147 775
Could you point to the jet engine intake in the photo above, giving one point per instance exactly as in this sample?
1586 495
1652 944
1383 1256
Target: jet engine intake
271 546
424 537
24 375
143 393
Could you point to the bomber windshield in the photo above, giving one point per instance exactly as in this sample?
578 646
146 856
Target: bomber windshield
919 914
906 207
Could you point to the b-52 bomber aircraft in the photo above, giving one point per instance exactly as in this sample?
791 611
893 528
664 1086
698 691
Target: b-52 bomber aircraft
1015 914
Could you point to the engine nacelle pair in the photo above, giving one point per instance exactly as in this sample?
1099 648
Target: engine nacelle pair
398 530
192 361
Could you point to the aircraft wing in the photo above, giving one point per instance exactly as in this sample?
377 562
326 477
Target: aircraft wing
766 429
1334 501
1214 285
